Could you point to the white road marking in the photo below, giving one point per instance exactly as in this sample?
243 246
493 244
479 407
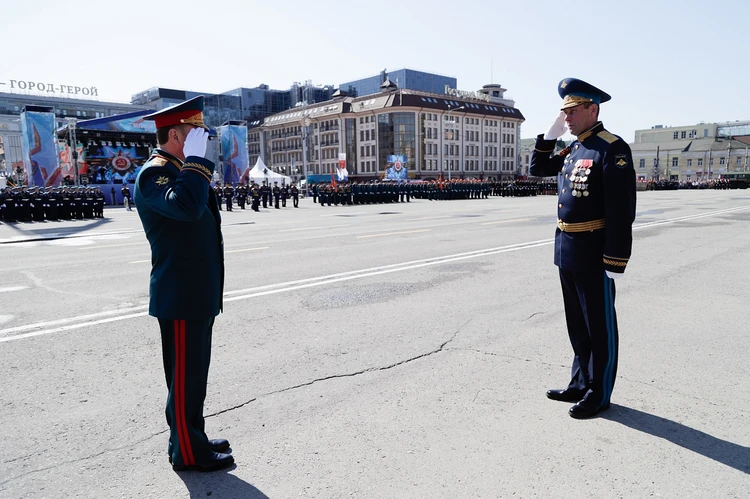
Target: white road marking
505 221
129 313
429 218
12 288
247 249
315 228
394 233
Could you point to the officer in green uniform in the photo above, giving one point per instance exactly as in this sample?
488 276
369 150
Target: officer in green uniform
179 213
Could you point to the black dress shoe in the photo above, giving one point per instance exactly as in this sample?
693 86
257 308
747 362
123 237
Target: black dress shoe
566 395
585 410
219 445
218 461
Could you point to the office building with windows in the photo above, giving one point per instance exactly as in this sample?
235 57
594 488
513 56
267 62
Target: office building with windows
693 152
433 134
245 104
406 79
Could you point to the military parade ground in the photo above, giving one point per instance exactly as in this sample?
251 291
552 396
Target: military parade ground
382 350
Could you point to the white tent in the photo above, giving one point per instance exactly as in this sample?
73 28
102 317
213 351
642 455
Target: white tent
261 172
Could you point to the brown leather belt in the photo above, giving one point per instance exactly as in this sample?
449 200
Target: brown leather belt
580 226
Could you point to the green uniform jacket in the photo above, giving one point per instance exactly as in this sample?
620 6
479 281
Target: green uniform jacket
179 212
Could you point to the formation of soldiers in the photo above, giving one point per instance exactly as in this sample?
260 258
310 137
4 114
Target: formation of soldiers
276 195
351 193
37 204
671 185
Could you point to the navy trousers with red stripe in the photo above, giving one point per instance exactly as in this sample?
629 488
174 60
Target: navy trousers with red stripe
186 349
589 299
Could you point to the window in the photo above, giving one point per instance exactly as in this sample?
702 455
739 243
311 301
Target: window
675 162
705 132
722 161
739 160
642 163
675 135
700 161
683 134
690 162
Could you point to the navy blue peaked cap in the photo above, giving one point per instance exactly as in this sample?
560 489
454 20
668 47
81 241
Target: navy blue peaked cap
575 92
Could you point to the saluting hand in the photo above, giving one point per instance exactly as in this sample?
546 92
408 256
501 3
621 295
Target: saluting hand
557 129
195 143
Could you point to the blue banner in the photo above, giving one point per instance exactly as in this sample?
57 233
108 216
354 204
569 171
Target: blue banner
396 169
39 148
235 160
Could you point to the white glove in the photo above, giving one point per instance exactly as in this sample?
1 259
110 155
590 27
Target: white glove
195 143
613 275
557 129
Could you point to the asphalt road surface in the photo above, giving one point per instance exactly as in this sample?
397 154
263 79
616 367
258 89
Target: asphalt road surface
383 351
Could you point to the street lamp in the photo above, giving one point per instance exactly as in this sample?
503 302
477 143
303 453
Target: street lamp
305 132
450 110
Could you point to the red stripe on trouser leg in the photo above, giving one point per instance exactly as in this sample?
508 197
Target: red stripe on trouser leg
188 445
177 380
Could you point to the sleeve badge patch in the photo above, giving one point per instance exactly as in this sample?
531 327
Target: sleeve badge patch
621 160
161 180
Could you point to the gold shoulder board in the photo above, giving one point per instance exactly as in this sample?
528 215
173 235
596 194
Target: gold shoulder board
607 136
159 161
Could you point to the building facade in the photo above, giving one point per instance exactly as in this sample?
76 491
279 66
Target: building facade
432 134
407 79
689 153
239 104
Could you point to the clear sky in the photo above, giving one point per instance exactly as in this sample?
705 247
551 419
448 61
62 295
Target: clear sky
668 62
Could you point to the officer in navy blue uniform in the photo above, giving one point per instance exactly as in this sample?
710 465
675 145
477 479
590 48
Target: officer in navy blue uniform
595 211
179 213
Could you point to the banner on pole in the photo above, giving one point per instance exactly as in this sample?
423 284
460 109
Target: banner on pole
39 147
235 160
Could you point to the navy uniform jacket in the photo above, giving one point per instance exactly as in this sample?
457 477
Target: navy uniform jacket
596 199
180 215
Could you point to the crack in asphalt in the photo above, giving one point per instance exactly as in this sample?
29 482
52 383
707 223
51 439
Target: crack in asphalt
532 315
72 461
346 375
301 385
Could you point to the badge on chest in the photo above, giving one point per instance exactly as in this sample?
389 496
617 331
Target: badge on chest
579 178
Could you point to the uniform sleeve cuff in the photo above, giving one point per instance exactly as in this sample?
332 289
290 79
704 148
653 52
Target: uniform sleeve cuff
614 264
544 145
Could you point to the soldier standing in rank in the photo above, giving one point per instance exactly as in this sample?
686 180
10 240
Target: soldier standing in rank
276 193
37 205
99 200
255 194
284 195
265 193
228 195
179 213
241 196
125 196
53 202
315 193
295 195
10 205
596 210
219 195
89 196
